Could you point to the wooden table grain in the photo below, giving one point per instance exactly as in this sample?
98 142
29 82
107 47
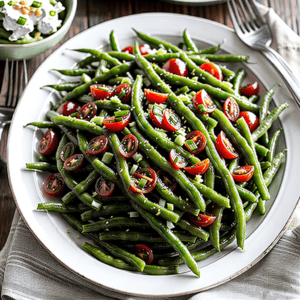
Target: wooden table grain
92 12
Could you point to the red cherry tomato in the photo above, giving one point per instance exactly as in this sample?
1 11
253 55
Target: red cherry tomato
171 121
167 180
155 97
128 146
198 168
202 220
87 111
251 119
123 91
104 188
48 143
114 124
250 90
176 66
213 69
74 162
144 181
54 185
243 173
144 49
203 102
195 141
177 161
67 108
101 91
157 120
224 147
97 145
144 252
67 151
231 109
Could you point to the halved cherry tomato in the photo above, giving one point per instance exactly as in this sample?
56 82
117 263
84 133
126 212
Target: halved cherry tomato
104 188
67 108
48 143
156 119
67 151
243 173
176 66
195 141
74 162
203 102
128 146
250 89
167 180
144 181
251 119
54 185
155 97
177 161
101 91
123 91
87 111
198 168
171 121
224 147
97 145
231 109
202 220
115 123
144 252
144 49
213 69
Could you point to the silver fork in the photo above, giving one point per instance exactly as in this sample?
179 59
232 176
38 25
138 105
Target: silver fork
255 32
14 80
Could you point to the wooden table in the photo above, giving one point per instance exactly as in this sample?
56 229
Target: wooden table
92 12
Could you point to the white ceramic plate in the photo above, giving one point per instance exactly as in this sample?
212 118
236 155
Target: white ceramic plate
51 230
196 2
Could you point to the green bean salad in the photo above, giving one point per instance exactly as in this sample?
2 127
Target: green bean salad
158 153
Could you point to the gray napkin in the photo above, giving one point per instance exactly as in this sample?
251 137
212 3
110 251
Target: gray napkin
28 271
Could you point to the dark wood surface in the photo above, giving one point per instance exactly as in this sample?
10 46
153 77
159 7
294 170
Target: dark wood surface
92 12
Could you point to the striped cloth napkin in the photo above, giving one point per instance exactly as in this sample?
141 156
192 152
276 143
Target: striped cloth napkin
28 271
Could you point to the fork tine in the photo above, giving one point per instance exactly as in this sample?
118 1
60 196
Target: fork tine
10 88
255 14
5 82
247 17
235 17
16 85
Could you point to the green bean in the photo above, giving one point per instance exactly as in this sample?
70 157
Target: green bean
74 222
238 79
265 165
60 207
43 124
114 44
273 145
75 72
214 228
64 86
209 50
226 57
196 231
189 43
41 166
254 98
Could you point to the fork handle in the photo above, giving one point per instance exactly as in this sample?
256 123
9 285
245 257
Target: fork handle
286 73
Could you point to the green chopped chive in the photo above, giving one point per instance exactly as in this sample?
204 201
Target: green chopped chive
142 183
120 113
36 4
202 108
122 94
176 159
157 110
137 157
2 3
182 90
115 100
170 206
132 124
12 3
180 139
173 119
126 80
107 157
119 119
22 21
52 13
133 169
102 88
191 144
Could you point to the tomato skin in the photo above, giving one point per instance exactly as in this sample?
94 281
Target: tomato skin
144 252
97 145
204 99
144 49
99 94
87 111
198 168
224 147
143 173
251 119
202 220
132 144
74 162
243 173
250 89
231 109
213 69
180 163
167 124
167 180
124 88
110 123
199 139
155 97
67 108
176 66
48 143
54 185
103 187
